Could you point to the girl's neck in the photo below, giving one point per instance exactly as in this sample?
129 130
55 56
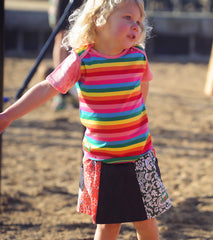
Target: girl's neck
106 49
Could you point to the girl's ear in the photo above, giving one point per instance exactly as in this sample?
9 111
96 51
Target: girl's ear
99 21
97 26
95 21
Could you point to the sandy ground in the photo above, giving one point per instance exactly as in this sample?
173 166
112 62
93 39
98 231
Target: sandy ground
42 158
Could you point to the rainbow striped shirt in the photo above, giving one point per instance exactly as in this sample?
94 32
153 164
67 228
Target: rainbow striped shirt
111 103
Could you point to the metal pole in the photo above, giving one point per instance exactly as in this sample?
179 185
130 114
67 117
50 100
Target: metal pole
1 75
43 51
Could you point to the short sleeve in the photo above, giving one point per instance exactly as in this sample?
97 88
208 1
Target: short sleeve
66 74
147 76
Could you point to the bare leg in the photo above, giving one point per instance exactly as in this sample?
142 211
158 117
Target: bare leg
107 231
147 230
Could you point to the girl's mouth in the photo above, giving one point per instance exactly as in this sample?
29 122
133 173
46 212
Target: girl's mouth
132 37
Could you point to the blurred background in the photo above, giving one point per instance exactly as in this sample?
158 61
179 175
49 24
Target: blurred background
181 28
42 151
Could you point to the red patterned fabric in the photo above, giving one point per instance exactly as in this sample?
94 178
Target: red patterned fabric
88 196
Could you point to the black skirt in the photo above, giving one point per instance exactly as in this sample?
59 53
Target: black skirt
127 192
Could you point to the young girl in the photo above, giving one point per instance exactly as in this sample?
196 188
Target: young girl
120 178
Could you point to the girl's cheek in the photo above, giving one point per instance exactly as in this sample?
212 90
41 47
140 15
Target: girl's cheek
124 27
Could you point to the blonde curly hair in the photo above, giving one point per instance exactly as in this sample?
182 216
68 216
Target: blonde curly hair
93 13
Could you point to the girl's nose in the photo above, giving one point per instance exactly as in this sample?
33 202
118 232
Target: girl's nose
135 27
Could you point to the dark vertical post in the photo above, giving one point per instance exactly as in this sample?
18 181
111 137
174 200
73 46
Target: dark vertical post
1 75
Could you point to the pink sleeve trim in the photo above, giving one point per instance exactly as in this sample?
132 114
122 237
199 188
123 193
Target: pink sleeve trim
66 74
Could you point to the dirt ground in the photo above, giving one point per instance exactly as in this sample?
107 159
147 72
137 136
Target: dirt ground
42 158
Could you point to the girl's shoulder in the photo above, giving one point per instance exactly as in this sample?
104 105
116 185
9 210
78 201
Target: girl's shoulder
82 51
139 48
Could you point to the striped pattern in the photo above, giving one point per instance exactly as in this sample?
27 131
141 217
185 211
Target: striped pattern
111 105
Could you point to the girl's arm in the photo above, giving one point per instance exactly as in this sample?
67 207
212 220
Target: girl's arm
33 98
145 90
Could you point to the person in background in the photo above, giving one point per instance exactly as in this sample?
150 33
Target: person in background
56 10
120 178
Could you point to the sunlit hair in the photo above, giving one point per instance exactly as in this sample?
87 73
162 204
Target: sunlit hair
93 13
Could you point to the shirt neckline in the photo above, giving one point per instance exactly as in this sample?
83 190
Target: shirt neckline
109 56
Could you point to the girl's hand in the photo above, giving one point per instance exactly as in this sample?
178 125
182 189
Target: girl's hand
4 122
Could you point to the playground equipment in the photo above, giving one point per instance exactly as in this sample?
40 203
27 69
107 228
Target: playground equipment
41 55
45 48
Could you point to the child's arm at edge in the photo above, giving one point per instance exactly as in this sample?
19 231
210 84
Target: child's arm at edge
145 90
33 98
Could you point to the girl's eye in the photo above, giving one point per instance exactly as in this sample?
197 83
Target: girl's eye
127 17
